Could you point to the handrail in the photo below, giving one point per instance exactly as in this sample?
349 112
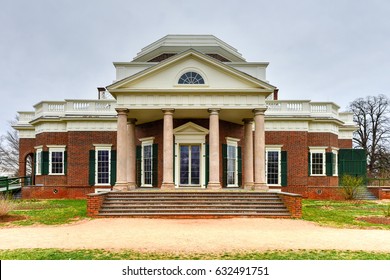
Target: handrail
379 182
8 182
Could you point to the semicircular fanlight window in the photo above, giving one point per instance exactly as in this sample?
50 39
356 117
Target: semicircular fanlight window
191 78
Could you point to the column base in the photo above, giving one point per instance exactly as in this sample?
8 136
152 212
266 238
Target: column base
131 186
261 187
249 186
167 186
120 187
214 186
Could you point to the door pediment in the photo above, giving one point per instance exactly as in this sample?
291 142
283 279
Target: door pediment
190 128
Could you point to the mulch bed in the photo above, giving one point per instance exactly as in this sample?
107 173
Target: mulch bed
375 220
11 218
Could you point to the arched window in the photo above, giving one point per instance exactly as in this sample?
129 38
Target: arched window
191 78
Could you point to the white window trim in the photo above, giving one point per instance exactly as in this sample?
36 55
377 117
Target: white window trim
233 142
56 148
103 147
335 152
38 160
318 150
274 148
149 141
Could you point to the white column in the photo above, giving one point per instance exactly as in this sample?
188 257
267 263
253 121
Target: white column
259 146
121 147
167 182
131 158
214 159
248 153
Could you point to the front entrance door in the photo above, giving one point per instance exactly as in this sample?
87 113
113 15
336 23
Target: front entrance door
189 165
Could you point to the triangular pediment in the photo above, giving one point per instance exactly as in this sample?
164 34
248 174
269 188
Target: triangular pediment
190 128
165 76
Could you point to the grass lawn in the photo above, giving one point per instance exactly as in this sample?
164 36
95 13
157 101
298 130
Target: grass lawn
56 254
329 213
344 213
49 212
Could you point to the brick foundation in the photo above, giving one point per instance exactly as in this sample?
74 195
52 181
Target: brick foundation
94 202
56 192
293 202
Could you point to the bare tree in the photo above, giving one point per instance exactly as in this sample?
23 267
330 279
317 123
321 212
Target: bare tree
9 151
372 115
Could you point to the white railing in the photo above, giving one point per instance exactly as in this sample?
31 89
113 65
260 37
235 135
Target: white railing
26 117
302 107
74 107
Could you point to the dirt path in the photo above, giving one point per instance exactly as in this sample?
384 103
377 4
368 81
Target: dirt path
194 235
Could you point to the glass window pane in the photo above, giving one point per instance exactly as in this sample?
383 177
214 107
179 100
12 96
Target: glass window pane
273 167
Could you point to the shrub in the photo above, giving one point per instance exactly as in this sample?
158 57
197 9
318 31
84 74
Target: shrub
386 211
350 186
6 205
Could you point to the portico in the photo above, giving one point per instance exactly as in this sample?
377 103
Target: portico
190 87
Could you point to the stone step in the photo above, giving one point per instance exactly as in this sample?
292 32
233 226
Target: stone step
193 204
194 214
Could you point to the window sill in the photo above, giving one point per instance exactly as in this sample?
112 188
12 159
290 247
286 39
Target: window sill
318 175
56 174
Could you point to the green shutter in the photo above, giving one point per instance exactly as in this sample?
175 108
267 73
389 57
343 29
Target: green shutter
352 162
329 164
65 162
45 162
239 166
207 175
155 165
283 166
34 165
113 168
92 167
224 165
309 163
138 155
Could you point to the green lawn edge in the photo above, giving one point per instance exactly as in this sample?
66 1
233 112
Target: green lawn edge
101 254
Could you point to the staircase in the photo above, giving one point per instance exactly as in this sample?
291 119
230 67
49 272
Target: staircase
193 205
364 194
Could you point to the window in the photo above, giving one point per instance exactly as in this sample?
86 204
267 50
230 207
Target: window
317 161
56 160
231 162
147 157
147 154
273 170
191 78
38 161
103 165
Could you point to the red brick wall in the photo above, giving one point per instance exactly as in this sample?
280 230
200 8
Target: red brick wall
94 202
296 145
56 192
79 145
26 147
293 203
345 143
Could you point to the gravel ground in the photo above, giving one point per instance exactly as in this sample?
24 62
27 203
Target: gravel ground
201 235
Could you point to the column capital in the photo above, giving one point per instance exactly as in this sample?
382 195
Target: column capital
168 111
248 120
122 111
214 111
259 111
131 121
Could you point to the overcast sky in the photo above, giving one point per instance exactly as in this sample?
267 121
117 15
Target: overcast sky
334 50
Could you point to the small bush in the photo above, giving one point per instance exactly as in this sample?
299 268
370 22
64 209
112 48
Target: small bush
386 211
6 205
350 186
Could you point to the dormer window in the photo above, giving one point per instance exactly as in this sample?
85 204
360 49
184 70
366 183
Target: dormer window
191 78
